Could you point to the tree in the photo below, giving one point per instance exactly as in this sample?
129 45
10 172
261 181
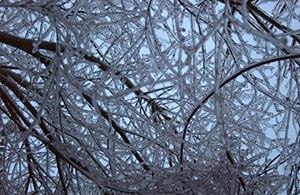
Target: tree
149 97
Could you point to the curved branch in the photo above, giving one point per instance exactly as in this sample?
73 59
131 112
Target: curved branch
230 78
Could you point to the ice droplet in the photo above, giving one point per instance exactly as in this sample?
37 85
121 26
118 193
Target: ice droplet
35 46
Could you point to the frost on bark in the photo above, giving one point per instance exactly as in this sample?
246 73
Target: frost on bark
149 97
